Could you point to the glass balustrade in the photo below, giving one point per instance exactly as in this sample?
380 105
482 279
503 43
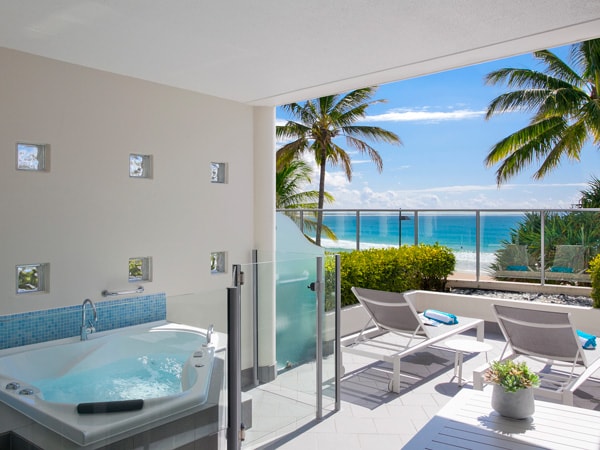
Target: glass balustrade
545 246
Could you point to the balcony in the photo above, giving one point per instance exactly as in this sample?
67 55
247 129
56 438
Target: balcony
373 417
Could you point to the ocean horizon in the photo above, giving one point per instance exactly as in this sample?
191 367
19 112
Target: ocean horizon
454 230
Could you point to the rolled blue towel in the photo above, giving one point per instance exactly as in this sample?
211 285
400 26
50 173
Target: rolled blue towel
588 341
440 316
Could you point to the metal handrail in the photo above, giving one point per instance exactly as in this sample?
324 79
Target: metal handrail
435 210
107 293
417 212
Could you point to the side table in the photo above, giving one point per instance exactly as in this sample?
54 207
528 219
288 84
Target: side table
462 346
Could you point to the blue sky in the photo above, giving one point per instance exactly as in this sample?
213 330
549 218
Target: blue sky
440 120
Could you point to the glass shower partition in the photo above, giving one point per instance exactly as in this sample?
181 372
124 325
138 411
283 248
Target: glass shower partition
289 349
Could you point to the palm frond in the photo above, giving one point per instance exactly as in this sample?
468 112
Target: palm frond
326 105
338 157
291 130
556 67
586 56
571 142
565 105
376 134
355 98
523 79
523 100
546 130
307 200
349 117
591 113
310 225
590 197
290 181
531 143
534 90
301 200
290 151
363 148
565 102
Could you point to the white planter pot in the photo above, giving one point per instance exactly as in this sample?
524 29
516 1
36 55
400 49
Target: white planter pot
516 405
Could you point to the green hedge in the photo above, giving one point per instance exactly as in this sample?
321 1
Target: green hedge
595 275
396 269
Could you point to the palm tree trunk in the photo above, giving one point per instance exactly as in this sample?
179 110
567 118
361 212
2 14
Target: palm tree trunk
321 200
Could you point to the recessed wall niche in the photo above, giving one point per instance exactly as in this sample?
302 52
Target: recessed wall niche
218 172
140 166
217 262
33 278
140 269
33 157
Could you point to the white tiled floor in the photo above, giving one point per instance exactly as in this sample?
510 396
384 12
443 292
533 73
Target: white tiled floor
370 416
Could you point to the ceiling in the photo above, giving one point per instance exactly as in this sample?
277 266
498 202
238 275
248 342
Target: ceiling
271 52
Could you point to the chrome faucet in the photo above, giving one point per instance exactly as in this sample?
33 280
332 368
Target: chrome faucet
87 328
209 334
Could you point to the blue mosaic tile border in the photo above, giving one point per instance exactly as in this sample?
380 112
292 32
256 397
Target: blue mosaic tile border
47 325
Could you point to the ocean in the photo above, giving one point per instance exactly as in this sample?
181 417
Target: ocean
454 230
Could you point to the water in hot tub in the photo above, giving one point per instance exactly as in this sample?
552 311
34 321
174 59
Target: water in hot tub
141 377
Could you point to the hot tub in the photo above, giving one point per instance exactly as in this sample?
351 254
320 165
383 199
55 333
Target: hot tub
114 383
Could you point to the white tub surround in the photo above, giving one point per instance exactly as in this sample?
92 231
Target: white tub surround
93 423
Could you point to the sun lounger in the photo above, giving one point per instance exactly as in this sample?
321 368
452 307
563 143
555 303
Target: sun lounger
547 338
570 262
513 263
392 314
569 265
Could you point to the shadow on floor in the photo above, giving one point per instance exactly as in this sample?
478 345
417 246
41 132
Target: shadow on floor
368 386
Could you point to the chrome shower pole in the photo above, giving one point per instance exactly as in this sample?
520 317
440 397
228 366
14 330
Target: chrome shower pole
255 316
319 290
338 332
234 361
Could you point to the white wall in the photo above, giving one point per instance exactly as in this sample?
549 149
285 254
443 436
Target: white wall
587 319
479 306
86 217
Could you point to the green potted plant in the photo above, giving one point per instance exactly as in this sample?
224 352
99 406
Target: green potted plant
512 395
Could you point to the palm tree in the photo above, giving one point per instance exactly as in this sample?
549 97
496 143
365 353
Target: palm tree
590 197
289 181
566 110
317 123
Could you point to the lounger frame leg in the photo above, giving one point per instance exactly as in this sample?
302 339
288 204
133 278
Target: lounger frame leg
480 332
458 363
478 379
396 376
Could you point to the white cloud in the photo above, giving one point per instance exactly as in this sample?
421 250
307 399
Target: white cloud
334 180
493 187
515 196
424 115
